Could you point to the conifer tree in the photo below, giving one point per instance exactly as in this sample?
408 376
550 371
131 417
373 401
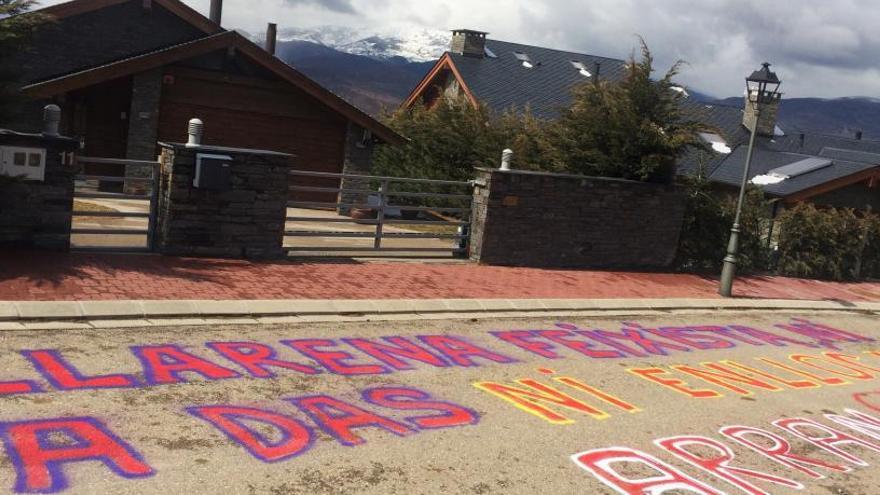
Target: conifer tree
633 129
448 140
16 22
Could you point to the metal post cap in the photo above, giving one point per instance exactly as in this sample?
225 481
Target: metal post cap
51 120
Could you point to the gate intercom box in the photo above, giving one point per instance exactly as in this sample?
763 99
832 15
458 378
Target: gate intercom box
27 163
213 172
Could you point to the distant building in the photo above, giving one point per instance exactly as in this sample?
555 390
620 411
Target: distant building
129 73
510 75
791 167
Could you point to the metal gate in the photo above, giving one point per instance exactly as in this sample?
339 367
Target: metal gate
380 216
115 221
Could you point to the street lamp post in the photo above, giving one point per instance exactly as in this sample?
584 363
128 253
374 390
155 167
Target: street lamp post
761 87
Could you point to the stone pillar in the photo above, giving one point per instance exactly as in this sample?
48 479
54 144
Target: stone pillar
358 161
766 120
569 221
245 221
33 213
143 126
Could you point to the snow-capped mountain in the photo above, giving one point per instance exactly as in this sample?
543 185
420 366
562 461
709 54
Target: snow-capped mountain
412 44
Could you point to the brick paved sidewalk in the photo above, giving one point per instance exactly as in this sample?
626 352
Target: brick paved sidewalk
51 276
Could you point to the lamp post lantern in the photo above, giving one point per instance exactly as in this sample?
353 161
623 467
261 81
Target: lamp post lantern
762 87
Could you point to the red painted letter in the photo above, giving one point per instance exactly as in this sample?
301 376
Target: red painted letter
19 387
339 419
39 457
334 361
397 346
255 358
163 364
828 441
780 452
719 465
295 437
408 399
858 421
458 350
600 463
524 340
63 376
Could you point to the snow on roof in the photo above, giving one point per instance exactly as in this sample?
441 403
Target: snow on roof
717 142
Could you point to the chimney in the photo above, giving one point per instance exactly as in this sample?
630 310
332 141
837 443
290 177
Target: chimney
216 11
763 87
859 135
766 120
469 43
271 38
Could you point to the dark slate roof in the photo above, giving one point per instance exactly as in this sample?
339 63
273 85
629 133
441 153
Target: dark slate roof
813 144
503 83
850 155
729 172
724 120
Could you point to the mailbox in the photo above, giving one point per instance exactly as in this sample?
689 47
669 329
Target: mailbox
213 172
27 163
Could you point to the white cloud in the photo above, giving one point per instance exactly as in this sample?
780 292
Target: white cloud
819 48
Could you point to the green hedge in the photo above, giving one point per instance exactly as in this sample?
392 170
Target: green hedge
818 243
706 229
828 243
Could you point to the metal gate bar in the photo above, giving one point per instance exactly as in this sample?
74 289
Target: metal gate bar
149 232
382 208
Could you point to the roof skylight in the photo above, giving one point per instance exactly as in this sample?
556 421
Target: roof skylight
717 142
581 68
802 167
525 59
790 171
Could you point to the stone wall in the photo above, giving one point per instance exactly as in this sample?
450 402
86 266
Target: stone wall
143 127
244 222
36 214
358 161
554 220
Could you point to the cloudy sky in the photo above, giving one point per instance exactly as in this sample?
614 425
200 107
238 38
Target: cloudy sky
819 47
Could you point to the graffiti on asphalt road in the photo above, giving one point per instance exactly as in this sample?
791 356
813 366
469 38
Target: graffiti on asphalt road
42 449
612 465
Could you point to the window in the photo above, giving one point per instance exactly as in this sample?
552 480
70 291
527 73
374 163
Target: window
28 163
35 159
525 59
581 68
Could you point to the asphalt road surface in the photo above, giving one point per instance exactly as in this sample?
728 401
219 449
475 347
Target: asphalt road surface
680 403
